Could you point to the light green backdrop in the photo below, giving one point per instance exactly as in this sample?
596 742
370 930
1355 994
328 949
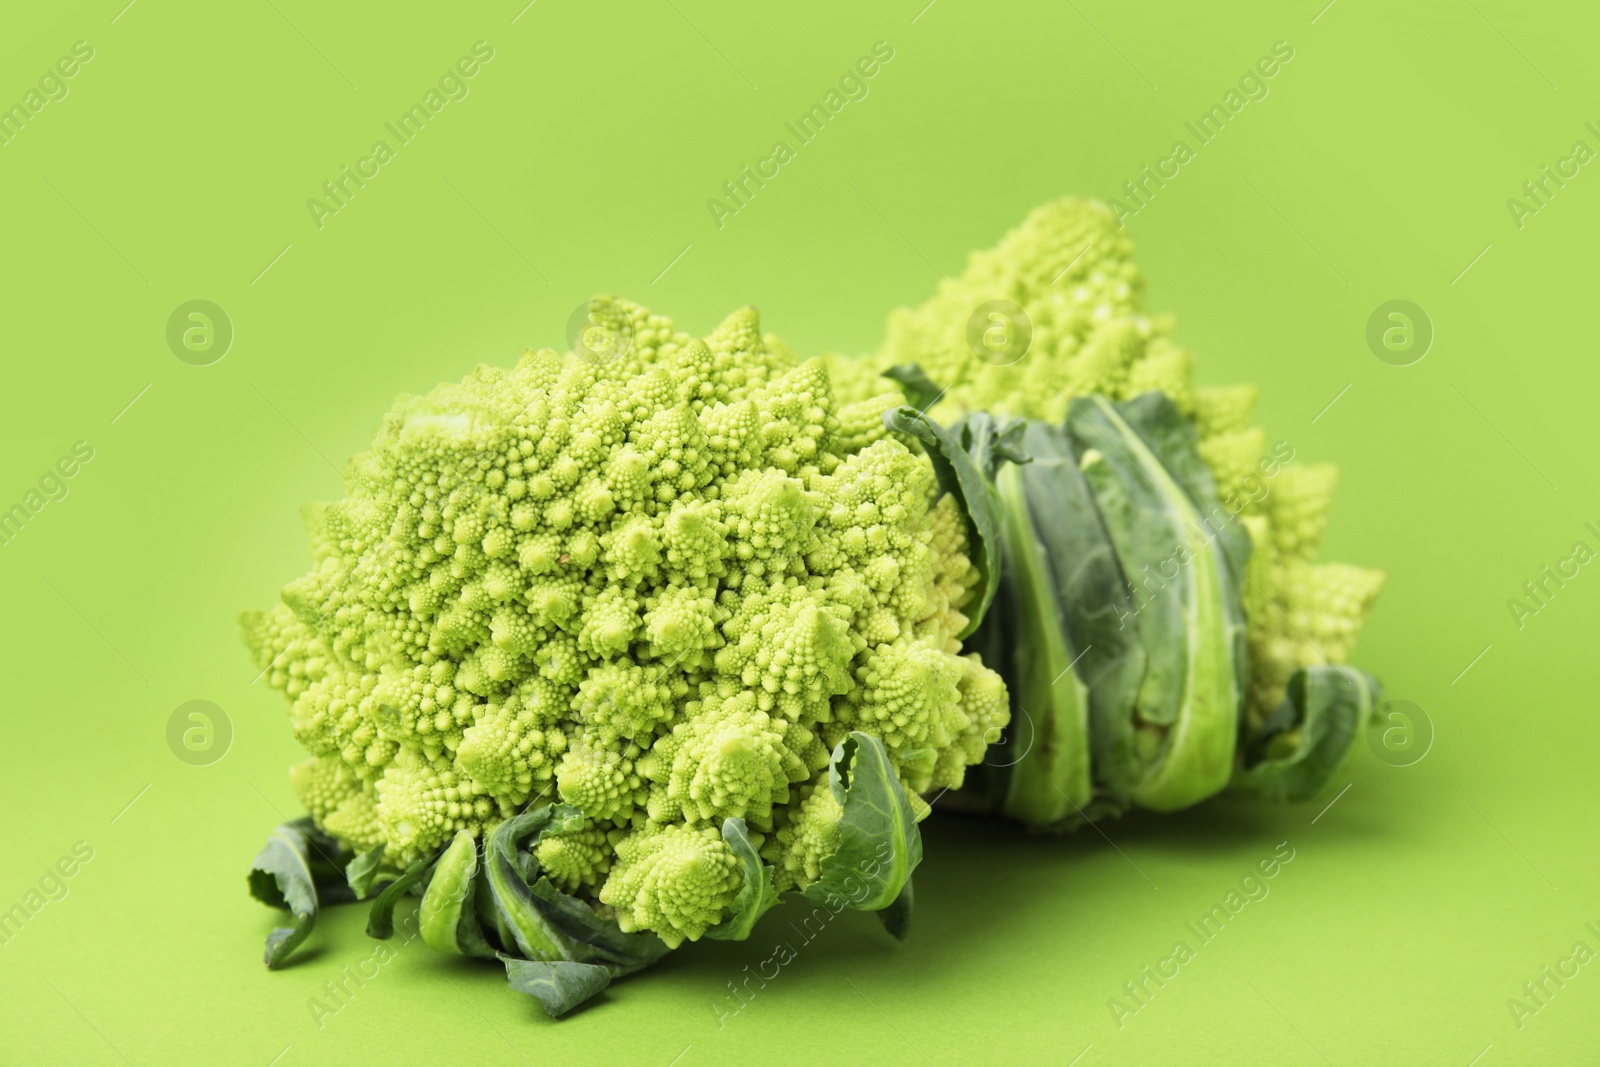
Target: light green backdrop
177 167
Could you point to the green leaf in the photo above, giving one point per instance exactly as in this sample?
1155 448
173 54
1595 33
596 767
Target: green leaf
380 920
1311 736
879 845
991 442
959 473
301 869
921 391
508 880
1172 438
559 986
362 873
758 895
545 923
1092 595
1184 593
330 865
447 918
491 920
1050 723
595 939
281 877
896 918
572 952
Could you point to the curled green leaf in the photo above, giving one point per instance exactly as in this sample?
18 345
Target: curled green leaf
545 923
958 470
896 918
447 918
299 869
507 856
593 938
1091 592
921 391
758 895
879 845
380 920
558 985
281 877
363 872
1311 736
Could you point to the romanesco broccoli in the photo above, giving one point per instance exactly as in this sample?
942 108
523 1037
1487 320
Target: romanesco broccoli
660 588
1069 269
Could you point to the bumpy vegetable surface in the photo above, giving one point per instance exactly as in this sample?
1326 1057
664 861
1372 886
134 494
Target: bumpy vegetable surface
659 582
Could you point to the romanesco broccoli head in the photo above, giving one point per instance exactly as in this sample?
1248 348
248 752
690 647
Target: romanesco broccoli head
656 579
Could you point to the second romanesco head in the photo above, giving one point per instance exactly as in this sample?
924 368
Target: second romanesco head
1056 310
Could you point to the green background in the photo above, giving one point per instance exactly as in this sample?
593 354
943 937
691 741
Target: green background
178 168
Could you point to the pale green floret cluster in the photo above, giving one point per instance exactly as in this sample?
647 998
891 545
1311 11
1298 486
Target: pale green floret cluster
1070 269
577 859
659 587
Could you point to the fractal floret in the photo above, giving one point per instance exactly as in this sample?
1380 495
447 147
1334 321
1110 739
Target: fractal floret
656 589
